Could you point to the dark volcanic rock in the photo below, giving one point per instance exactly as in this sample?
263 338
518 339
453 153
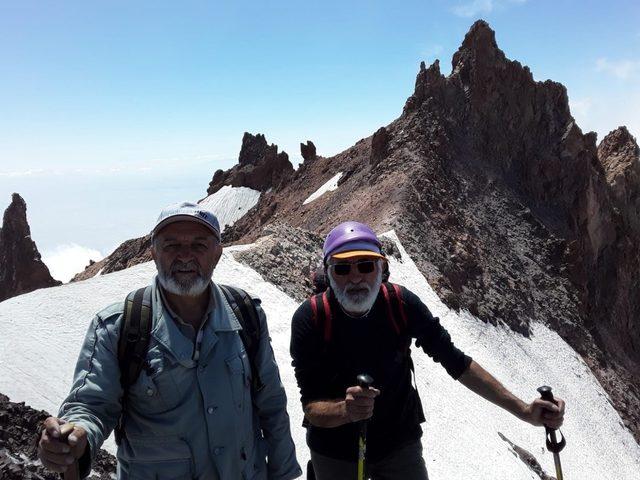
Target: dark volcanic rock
259 167
21 268
308 151
19 429
286 257
503 204
620 157
379 144
130 253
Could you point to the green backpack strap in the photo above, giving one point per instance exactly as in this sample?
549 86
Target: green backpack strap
133 343
245 310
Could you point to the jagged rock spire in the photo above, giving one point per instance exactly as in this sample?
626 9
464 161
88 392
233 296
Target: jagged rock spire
620 157
308 151
260 166
21 268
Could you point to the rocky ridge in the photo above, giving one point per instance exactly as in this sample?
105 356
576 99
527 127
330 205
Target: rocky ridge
259 167
130 253
21 267
503 203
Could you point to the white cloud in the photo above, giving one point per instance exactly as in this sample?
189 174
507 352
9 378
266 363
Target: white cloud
65 261
482 7
580 107
22 173
623 69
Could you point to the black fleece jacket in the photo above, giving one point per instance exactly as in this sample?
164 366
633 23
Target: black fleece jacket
369 344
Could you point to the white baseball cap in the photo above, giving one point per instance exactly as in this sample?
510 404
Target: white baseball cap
190 212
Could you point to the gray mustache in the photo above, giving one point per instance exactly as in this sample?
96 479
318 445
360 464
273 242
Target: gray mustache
191 265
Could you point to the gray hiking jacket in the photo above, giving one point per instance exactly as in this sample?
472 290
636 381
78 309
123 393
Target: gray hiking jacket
185 419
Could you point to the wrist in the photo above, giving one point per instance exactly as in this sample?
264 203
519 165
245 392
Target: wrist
523 411
344 413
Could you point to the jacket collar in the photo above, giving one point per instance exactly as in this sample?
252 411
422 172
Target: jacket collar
166 331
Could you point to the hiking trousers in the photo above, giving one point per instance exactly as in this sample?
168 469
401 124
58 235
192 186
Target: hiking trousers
406 463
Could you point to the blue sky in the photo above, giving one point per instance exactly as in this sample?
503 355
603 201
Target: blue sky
110 96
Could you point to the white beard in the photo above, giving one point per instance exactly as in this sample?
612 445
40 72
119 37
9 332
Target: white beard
357 302
186 287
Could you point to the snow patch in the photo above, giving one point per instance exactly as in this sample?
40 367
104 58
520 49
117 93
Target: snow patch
231 203
41 333
462 430
65 261
331 185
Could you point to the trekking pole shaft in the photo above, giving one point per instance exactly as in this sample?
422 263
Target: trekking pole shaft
364 381
362 449
556 461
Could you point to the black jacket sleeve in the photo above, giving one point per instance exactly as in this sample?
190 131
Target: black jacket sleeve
433 337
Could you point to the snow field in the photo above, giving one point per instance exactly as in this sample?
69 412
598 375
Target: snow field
230 203
41 334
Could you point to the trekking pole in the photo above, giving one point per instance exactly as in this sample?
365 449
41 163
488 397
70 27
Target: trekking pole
364 381
553 445
73 471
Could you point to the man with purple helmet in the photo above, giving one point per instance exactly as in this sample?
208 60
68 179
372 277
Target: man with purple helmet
363 324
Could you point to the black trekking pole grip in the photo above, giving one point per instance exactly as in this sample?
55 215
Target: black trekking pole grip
364 380
552 443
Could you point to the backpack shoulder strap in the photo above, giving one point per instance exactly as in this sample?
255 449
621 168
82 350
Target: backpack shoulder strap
395 310
245 311
133 343
321 314
396 314
397 304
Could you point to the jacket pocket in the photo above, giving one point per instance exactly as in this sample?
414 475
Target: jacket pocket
237 369
158 458
155 390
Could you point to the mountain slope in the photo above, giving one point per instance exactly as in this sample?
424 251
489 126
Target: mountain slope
501 201
465 436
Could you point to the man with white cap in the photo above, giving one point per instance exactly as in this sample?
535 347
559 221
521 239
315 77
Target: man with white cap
364 325
194 392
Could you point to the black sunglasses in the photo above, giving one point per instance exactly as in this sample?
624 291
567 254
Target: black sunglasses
364 266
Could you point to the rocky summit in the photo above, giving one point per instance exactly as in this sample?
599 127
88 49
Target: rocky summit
21 268
507 207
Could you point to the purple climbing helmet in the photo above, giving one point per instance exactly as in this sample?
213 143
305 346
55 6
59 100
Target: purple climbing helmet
350 239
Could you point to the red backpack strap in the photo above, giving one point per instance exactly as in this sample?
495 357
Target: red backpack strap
386 291
314 310
400 303
327 316
321 313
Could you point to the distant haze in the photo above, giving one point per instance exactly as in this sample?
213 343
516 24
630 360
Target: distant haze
75 217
